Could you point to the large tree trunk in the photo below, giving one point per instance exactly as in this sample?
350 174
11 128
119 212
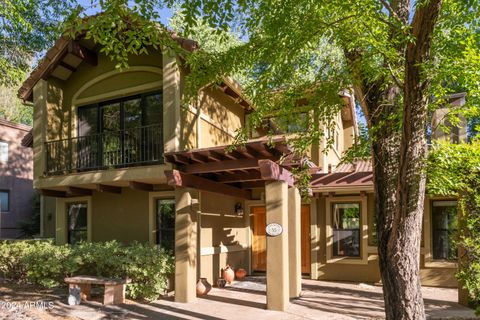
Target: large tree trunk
399 151
403 248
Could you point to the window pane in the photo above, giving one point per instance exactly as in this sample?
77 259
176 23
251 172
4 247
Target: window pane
444 225
111 117
4 201
346 229
87 121
87 145
132 111
77 222
3 152
166 224
111 146
153 109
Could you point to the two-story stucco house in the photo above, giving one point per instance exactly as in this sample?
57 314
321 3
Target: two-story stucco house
16 191
126 159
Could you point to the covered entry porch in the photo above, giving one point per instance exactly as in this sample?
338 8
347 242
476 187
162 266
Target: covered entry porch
202 177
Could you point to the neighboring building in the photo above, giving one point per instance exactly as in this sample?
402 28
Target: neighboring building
442 129
16 174
126 160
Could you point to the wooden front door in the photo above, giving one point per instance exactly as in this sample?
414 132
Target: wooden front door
259 240
305 238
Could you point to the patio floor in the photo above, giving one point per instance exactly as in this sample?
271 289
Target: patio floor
247 300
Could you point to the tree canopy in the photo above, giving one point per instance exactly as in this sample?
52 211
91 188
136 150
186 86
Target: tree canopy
454 171
400 58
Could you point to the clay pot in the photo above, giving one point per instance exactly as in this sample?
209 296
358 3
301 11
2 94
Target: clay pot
203 287
228 274
240 274
221 283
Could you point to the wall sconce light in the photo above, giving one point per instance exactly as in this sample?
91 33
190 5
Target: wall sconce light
239 209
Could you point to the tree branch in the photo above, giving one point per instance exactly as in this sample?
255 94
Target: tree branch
390 9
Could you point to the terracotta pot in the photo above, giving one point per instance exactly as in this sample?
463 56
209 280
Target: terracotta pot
240 274
203 287
228 274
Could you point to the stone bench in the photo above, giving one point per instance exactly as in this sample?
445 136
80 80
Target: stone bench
114 288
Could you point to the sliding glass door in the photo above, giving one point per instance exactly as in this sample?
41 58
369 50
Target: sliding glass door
121 132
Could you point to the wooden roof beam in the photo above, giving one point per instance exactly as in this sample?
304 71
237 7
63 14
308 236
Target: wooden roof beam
110 189
252 185
52 193
234 154
83 53
180 159
75 191
240 177
134 185
226 165
179 179
215 156
273 172
67 66
198 157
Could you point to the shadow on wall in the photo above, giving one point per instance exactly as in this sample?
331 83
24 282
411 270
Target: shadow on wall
213 104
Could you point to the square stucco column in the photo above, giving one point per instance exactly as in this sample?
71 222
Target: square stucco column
39 127
294 242
171 101
186 247
276 200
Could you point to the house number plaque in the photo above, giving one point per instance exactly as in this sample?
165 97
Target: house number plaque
274 229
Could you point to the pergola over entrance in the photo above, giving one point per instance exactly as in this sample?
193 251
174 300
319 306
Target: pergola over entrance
257 164
233 172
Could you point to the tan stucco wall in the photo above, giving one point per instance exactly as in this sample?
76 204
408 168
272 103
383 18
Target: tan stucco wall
219 118
432 274
223 236
48 212
122 217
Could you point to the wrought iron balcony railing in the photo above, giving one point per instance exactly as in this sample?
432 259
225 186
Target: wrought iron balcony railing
111 149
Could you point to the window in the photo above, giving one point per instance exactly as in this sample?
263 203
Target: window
3 152
4 201
444 226
77 222
122 131
165 224
346 229
121 114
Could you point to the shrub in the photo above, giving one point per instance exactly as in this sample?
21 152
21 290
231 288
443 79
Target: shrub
149 269
105 259
46 264
12 260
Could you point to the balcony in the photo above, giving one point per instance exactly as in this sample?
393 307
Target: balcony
137 146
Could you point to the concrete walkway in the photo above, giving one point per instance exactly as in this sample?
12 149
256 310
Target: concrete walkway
247 300
242 300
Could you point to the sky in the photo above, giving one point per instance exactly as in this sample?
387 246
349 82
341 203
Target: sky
165 13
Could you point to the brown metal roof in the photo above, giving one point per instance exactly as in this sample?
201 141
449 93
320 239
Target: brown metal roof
349 175
358 166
